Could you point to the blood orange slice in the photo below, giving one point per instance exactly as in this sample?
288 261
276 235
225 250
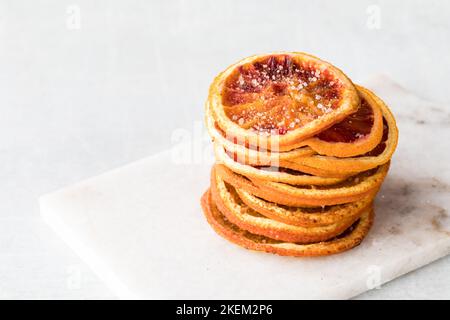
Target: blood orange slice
248 154
273 101
381 154
357 134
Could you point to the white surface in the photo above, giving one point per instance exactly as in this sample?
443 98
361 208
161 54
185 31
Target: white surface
140 227
79 102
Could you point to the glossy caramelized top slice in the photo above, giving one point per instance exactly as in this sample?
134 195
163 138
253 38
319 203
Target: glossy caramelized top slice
282 96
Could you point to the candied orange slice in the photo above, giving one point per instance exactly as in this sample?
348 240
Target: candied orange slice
279 99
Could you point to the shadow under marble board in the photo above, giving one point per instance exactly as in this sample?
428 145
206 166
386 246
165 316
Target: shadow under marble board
141 229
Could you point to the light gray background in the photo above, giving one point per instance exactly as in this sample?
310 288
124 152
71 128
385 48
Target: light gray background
78 102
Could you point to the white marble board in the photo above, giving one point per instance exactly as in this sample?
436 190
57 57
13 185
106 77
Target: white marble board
141 229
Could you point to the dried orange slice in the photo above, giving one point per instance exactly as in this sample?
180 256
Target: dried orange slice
381 154
273 101
305 217
267 158
231 206
357 134
271 173
288 164
353 189
248 154
345 241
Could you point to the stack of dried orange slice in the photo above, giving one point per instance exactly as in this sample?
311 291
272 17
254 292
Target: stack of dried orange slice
301 153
